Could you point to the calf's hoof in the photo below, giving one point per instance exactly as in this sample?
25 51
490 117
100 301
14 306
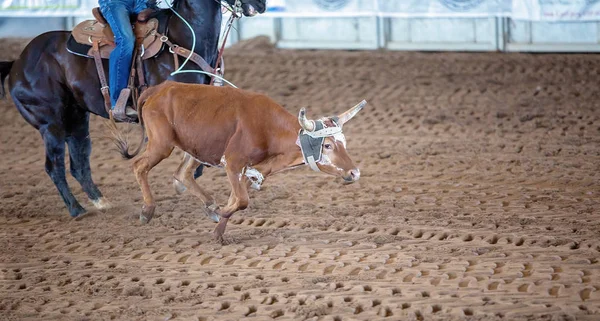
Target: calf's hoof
147 213
179 187
211 212
219 238
220 230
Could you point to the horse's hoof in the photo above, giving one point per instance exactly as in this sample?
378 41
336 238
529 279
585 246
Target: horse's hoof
85 214
179 187
77 211
102 203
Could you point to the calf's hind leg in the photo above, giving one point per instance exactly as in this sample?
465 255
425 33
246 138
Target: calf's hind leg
153 155
184 177
178 181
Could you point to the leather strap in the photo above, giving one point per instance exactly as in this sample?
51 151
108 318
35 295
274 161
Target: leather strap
176 59
101 75
140 74
131 82
196 58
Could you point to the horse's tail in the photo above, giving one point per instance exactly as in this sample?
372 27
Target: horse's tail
117 137
4 70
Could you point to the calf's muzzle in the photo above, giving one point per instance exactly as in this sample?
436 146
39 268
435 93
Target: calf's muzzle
352 175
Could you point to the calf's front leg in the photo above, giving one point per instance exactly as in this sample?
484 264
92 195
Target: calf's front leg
238 200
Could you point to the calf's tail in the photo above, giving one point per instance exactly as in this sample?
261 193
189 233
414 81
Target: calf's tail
117 137
5 67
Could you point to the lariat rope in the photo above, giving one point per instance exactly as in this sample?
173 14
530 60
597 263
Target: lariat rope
234 15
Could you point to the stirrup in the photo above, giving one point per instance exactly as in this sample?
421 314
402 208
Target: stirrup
130 112
130 116
121 112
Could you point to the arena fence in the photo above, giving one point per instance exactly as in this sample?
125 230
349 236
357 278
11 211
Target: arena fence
463 25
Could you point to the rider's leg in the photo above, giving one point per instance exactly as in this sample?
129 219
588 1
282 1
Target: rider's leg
117 15
142 4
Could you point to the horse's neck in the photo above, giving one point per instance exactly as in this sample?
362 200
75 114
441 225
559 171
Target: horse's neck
204 16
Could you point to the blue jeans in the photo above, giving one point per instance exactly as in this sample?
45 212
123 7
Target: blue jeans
117 13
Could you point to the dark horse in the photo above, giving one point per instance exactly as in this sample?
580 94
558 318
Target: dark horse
55 91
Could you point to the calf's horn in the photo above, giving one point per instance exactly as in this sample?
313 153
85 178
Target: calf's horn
347 115
306 124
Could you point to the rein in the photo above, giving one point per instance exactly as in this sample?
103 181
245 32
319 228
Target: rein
218 64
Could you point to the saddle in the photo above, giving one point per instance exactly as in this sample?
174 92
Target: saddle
85 34
95 39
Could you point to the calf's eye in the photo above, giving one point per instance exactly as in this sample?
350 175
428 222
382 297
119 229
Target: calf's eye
327 146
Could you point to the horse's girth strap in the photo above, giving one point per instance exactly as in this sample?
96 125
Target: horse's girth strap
101 75
196 58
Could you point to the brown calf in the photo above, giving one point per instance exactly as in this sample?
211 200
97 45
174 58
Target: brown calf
247 134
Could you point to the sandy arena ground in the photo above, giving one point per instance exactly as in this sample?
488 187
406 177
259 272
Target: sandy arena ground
479 200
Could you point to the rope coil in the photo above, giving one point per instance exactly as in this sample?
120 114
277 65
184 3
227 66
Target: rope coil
234 15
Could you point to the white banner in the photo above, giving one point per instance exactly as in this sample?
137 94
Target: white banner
556 10
328 6
445 8
533 10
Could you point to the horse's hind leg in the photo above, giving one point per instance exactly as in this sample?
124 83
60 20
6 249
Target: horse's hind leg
54 141
183 179
199 171
80 147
